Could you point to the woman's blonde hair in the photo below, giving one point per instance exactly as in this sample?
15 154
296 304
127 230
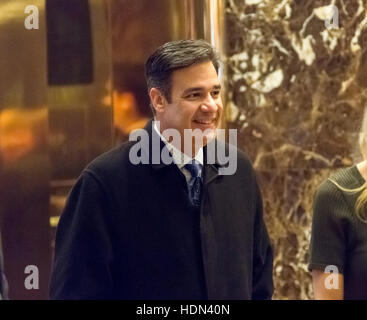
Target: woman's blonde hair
361 203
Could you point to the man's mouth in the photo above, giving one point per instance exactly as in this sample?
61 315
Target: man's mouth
205 121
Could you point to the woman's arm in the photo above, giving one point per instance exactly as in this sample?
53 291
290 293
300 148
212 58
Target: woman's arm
327 286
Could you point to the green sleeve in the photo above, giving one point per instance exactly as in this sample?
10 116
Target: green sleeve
331 215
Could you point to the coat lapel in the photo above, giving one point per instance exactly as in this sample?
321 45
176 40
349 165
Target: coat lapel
210 170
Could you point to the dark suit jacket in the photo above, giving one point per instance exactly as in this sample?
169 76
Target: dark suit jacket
129 232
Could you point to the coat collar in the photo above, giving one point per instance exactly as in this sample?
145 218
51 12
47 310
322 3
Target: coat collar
210 170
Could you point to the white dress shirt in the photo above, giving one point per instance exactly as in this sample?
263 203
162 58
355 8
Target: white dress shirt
180 158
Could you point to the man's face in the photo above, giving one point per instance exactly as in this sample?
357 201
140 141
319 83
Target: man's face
195 101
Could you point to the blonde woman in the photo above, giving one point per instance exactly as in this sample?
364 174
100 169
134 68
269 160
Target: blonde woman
338 249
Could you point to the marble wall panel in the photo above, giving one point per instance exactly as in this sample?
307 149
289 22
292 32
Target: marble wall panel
296 93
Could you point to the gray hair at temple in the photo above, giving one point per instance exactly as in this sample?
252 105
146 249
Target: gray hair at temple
176 55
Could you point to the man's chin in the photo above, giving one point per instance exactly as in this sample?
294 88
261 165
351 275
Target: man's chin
205 137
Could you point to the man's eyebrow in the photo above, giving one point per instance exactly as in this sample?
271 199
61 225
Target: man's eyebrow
193 89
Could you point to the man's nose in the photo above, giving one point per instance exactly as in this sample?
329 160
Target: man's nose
211 104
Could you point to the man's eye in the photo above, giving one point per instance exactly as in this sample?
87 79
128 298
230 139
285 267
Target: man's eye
216 93
193 95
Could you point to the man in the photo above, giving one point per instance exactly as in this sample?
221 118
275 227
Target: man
167 231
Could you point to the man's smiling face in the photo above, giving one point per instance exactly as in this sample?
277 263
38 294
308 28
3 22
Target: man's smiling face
195 101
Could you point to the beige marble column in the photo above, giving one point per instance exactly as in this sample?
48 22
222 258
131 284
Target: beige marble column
297 91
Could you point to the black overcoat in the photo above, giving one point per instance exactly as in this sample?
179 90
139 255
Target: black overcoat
129 232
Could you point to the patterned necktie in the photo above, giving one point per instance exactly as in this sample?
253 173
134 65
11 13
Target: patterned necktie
195 182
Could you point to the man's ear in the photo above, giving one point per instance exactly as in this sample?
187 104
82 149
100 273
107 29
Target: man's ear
157 99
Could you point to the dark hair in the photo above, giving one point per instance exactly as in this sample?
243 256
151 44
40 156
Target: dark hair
176 55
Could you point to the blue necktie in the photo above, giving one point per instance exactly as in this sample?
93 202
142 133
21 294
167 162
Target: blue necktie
195 182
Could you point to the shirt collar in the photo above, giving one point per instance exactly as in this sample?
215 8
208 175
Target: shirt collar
180 158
